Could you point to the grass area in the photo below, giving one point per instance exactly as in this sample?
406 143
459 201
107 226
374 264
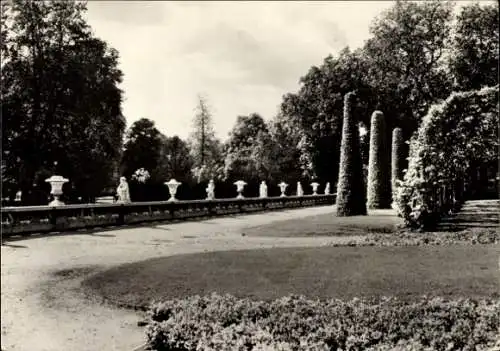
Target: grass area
378 221
325 272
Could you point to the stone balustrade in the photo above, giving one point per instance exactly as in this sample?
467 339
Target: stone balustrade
45 219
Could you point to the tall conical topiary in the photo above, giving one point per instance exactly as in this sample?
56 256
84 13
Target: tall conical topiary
379 188
350 188
396 159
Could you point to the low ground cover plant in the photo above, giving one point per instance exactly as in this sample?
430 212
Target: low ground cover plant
225 322
409 238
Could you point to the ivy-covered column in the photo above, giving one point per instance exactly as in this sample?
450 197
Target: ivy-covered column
379 189
350 188
396 160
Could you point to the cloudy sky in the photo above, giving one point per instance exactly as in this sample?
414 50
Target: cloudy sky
242 55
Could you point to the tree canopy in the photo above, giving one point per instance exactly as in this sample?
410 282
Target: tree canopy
474 53
142 148
60 98
416 56
249 150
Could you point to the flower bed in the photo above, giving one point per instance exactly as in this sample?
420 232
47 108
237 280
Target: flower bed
295 323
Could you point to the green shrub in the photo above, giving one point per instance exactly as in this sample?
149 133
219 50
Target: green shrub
295 323
378 194
396 160
454 135
350 187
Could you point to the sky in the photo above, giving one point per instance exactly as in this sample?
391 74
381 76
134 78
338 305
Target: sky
243 56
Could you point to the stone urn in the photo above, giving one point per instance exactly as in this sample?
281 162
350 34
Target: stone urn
240 185
315 187
56 184
172 188
283 187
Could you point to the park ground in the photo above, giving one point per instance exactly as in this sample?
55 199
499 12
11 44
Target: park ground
44 306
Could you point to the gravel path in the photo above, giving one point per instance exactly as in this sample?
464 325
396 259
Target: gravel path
43 308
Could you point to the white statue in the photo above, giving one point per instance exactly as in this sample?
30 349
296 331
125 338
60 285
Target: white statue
263 190
300 191
327 189
122 191
211 190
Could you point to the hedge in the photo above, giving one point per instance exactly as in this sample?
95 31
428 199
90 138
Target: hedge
455 135
295 323
350 187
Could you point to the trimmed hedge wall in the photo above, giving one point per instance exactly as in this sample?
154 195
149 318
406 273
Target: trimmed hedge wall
295 323
455 136
378 192
350 188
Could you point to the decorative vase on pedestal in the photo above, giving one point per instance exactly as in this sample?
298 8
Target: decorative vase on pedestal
315 188
283 187
172 188
56 184
240 185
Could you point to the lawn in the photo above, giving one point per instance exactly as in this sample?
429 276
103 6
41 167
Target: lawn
325 272
378 221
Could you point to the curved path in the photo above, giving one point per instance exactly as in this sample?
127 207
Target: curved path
43 308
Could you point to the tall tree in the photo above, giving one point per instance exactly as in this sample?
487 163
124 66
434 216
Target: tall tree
142 148
206 150
60 97
474 55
